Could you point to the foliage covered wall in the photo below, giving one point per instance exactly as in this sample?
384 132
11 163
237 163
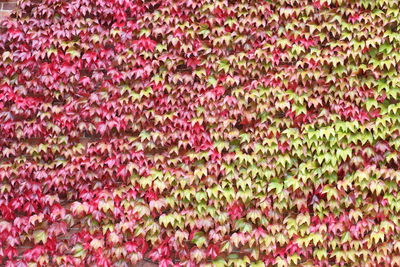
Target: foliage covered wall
201 132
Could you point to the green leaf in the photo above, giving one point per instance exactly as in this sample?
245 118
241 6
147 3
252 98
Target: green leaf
219 262
385 48
74 53
223 65
275 184
211 81
79 251
257 264
199 239
40 236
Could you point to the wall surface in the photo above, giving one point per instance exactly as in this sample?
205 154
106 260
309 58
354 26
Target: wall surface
6 7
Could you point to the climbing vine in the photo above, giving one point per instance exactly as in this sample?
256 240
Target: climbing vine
188 133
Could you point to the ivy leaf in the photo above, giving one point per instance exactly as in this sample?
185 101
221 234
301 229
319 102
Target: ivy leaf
199 240
276 185
74 53
40 236
223 65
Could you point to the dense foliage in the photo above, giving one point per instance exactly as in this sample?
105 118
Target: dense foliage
200 132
